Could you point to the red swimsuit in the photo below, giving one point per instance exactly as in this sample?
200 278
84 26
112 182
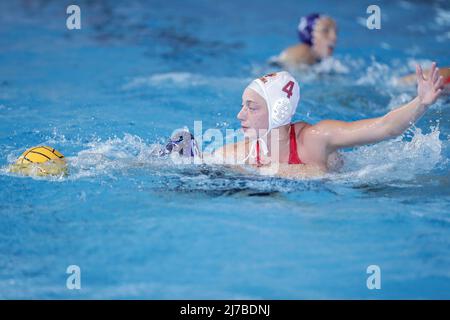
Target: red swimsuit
293 154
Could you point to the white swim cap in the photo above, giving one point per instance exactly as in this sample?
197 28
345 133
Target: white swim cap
281 92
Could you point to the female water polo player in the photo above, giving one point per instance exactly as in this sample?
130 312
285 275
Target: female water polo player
294 149
318 35
269 104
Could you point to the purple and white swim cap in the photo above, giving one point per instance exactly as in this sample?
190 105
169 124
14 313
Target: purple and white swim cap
306 27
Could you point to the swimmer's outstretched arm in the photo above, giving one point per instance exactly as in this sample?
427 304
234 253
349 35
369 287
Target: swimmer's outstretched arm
339 134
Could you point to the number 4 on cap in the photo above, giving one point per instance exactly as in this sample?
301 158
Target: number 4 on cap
288 88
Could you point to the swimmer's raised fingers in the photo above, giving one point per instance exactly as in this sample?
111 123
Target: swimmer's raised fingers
419 72
432 71
439 83
435 75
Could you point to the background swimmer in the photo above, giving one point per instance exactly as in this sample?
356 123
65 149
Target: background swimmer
444 72
318 34
314 147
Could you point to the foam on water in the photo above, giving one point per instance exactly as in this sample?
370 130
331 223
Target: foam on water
334 65
376 73
387 162
394 160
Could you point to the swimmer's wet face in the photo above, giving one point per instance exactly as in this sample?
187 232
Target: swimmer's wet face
254 113
324 37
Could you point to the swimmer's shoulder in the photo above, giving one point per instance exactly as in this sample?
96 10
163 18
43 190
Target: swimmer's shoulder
311 146
297 54
300 131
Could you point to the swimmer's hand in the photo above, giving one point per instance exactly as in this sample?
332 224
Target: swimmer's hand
183 143
333 135
428 90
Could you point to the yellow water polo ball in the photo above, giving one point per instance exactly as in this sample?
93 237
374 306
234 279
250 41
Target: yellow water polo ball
39 154
41 161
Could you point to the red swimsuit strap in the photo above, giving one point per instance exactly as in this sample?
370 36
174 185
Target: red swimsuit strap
293 154
258 159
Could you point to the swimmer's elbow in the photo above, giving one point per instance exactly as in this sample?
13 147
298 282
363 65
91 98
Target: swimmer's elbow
393 132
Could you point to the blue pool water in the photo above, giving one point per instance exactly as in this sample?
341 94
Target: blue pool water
140 227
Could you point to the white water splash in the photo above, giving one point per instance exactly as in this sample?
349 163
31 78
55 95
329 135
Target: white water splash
385 162
331 65
376 73
114 154
393 160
